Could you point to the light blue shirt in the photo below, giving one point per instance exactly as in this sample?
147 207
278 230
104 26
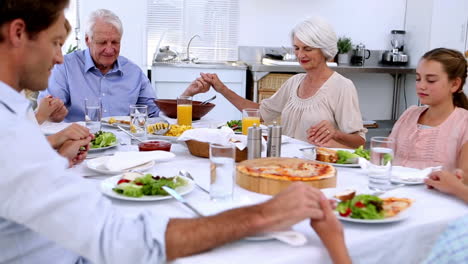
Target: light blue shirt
452 245
50 215
78 78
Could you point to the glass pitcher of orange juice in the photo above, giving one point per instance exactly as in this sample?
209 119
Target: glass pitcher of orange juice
184 110
250 116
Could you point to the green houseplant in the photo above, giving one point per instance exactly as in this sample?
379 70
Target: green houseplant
344 46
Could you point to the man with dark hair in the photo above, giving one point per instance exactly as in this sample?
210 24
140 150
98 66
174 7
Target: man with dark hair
50 215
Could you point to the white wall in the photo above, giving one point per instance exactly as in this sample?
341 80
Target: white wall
268 22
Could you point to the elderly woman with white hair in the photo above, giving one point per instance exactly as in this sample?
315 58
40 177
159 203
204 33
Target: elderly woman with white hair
319 106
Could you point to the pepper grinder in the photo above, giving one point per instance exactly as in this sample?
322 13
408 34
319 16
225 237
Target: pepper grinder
254 142
274 140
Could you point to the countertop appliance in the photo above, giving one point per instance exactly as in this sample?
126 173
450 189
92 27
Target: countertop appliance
360 55
396 56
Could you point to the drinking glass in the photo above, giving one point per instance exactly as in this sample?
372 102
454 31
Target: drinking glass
222 159
250 116
184 110
380 167
93 114
138 119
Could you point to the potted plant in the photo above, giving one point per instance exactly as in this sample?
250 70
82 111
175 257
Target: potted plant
344 46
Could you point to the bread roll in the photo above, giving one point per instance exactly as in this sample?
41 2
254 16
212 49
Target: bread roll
327 155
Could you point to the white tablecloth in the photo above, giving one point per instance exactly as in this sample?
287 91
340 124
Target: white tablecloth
408 241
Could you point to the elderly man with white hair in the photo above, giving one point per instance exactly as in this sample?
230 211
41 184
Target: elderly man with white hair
319 106
100 72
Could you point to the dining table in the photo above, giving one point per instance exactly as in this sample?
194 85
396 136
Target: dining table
408 240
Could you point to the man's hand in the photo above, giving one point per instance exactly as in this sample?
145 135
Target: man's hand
213 80
321 133
72 132
75 150
298 202
60 111
196 87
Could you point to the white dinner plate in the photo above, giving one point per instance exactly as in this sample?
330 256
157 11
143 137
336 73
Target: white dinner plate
105 121
103 148
97 165
108 184
399 217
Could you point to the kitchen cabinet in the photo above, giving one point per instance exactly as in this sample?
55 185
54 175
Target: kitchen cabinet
435 23
170 81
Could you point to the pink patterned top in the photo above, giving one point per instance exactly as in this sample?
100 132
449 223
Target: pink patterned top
422 147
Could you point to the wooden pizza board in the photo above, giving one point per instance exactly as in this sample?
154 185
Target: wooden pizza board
273 186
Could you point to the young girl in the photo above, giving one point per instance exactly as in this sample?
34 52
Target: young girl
436 133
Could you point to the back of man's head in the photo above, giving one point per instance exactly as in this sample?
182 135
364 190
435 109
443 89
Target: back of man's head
37 14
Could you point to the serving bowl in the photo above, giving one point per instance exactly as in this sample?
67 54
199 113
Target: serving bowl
169 108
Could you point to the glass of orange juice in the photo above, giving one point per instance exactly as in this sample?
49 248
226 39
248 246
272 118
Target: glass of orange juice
184 110
250 116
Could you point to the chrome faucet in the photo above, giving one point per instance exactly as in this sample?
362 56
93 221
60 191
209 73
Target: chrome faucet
188 59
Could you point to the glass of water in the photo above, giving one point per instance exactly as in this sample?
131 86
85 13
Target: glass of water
222 158
138 119
380 167
93 114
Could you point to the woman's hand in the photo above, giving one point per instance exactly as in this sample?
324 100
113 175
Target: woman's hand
321 133
330 231
213 80
75 150
197 86
445 181
45 108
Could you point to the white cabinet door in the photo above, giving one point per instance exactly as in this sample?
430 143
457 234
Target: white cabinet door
170 82
449 24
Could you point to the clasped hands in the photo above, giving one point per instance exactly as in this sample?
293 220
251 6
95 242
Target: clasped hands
72 143
322 134
203 83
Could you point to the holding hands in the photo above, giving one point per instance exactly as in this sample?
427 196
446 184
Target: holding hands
196 87
72 143
52 109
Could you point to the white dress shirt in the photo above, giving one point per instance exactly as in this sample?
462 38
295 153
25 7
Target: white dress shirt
50 215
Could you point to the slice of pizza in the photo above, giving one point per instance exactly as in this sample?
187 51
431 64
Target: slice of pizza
393 206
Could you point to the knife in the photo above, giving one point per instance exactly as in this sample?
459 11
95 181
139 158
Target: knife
181 199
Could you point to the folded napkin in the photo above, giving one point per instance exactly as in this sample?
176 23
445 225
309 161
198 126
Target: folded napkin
404 173
124 160
411 174
223 136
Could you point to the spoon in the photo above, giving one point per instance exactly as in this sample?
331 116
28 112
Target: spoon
126 132
185 173
209 100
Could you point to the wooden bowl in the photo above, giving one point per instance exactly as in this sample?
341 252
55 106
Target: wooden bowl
202 149
169 108
273 186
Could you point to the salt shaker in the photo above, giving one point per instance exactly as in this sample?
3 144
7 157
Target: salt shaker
254 142
274 140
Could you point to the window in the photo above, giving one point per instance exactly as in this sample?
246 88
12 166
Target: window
71 13
173 22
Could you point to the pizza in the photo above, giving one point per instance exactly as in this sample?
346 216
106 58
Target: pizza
302 171
393 206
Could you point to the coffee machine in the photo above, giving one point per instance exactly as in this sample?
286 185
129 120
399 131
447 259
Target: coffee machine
360 55
396 56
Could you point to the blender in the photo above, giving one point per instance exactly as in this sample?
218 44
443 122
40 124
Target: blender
396 56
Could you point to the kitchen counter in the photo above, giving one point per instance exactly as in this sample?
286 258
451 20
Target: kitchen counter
398 73
234 65
259 67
